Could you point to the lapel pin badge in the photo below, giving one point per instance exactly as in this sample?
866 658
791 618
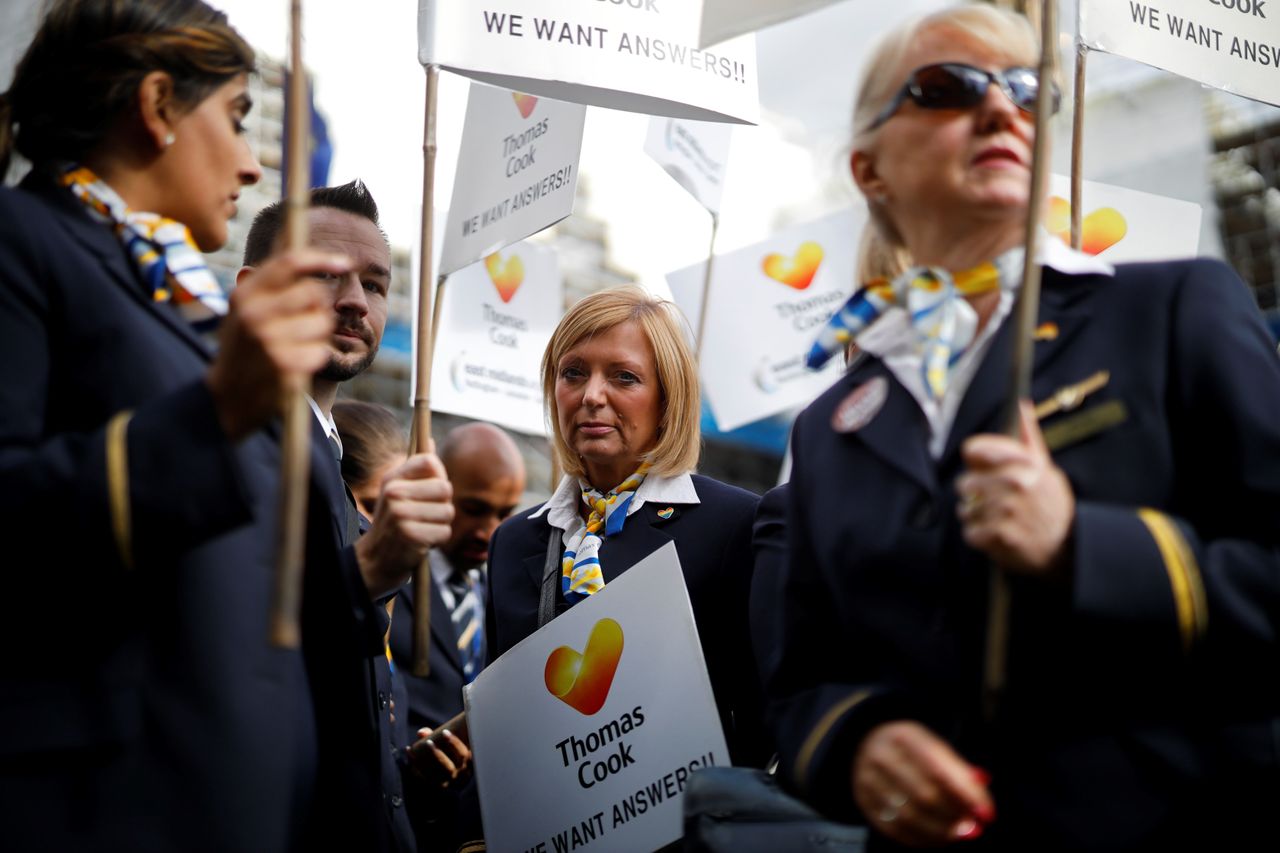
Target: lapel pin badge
664 514
1046 332
863 404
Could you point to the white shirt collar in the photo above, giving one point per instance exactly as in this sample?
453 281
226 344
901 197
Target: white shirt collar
327 423
561 509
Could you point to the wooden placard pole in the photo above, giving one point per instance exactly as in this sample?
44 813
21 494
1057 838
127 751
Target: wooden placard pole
1077 149
706 289
1025 319
295 441
424 346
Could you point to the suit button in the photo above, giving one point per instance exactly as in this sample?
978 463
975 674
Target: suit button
383 700
396 801
925 515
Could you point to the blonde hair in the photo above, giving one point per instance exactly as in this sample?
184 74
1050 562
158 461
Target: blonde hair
679 431
881 253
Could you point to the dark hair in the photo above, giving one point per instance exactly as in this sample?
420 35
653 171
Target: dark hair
353 197
371 434
82 70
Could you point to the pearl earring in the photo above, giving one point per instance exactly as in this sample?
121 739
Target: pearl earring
169 139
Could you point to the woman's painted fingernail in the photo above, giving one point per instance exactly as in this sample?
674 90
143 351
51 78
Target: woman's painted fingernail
983 777
986 814
967 830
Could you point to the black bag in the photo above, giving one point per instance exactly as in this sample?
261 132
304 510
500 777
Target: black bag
736 810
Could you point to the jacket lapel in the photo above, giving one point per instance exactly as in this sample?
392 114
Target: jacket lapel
1060 319
98 239
898 433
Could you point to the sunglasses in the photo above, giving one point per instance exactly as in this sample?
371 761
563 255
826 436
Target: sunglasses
955 86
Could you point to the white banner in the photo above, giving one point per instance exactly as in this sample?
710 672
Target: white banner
496 318
722 19
1122 225
767 303
586 732
637 55
1232 45
693 153
517 172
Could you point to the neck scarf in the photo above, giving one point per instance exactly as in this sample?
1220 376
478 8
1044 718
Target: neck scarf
934 299
580 569
162 250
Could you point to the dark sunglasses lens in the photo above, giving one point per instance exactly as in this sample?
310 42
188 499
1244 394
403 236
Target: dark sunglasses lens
1024 86
943 87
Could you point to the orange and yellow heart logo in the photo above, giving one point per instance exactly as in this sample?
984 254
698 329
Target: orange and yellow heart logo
507 275
797 271
524 103
1099 231
582 681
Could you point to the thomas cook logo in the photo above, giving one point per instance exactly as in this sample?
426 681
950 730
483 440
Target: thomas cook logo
582 680
1099 230
524 103
796 271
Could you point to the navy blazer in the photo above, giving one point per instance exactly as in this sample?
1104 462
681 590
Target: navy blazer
713 540
438 697
152 715
1143 702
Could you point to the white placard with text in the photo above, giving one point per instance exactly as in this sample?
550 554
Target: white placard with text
585 733
517 172
1232 45
694 153
496 318
767 304
637 55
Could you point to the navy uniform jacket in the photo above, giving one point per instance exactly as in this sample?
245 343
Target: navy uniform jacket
1143 692
152 714
438 697
713 541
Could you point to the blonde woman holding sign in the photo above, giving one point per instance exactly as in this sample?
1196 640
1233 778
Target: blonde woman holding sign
1135 517
622 397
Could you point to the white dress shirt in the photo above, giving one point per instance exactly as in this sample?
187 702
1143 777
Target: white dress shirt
561 509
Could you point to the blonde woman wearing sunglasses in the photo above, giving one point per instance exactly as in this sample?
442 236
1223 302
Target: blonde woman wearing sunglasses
1136 516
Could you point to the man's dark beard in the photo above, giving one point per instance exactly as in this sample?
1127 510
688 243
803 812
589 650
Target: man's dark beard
336 371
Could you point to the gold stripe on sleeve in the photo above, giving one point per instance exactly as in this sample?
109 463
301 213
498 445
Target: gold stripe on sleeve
829 719
1184 575
118 485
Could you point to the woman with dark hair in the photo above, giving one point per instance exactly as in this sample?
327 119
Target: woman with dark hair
1135 517
141 707
373 444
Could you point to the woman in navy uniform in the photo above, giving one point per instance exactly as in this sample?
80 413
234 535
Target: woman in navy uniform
1136 518
622 393
141 707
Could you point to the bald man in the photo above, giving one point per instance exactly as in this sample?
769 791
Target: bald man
487 473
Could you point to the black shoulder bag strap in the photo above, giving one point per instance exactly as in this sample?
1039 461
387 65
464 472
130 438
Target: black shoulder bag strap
551 570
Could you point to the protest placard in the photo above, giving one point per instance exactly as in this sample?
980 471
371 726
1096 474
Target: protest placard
496 318
637 55
767 303
1232 45
1121 224
517 172
585 733
693 153
723 19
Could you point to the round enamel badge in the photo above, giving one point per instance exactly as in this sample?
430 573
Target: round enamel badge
862 404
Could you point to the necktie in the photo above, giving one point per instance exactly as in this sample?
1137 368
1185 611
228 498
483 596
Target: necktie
162 250
580 568
467 624
935 301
